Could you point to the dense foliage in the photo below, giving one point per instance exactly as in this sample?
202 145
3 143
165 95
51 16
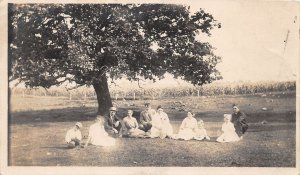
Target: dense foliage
87 43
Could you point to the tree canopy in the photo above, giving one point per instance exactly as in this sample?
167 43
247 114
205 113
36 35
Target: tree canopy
86 43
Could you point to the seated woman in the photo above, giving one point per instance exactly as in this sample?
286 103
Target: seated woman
188 128
132 126
97 135
161 126
229 134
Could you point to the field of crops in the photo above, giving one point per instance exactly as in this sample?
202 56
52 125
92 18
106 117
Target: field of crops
163 92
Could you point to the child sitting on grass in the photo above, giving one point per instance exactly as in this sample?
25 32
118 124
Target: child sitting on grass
73 136
201 132
229 134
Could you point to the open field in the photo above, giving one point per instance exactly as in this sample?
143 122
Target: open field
38 126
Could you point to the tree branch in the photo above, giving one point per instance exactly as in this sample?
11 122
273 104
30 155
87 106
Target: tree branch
70 79
75 87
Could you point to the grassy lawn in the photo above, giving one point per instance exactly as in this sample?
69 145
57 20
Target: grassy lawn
38 127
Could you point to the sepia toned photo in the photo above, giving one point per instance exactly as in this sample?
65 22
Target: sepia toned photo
150 87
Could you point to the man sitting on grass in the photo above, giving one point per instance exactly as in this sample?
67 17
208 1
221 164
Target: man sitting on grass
112 124
73 136
146 118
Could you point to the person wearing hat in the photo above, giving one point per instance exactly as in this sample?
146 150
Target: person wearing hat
145 122
229 134
239 121
112 124
97 134
73 136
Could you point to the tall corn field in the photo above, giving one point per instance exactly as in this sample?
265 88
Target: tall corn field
210 90
165 92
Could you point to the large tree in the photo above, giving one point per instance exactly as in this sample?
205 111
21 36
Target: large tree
90 43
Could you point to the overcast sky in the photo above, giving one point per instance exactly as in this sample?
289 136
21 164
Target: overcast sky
251 40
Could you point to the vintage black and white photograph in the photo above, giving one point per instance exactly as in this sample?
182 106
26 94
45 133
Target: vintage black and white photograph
162 84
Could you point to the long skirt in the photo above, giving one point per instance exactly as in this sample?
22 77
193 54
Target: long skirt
103 140
136 133
186 134
240 127
228 137
162 132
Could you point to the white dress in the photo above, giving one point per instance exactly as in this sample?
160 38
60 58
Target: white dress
188 129
73 134
229 134
201 134
99 137
161 126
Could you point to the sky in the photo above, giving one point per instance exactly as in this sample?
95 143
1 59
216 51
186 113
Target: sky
251 39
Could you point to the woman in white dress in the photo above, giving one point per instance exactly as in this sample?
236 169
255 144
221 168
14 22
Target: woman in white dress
97 134
161 126
188 128
229 134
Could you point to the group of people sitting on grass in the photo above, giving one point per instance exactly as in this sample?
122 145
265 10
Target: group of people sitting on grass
154 124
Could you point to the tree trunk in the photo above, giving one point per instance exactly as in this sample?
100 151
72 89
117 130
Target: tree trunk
103 96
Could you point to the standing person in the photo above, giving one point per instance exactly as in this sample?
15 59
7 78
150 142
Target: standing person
132 126
239 121
161 126
145 121
112 124
188 128
229 134
97 135
73 136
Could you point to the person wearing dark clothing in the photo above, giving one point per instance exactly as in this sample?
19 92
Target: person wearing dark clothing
145 121
239 121
112 124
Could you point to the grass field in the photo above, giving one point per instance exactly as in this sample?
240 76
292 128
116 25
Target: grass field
37 127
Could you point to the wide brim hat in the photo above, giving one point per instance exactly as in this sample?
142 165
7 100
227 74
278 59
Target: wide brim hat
112 108
78 124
